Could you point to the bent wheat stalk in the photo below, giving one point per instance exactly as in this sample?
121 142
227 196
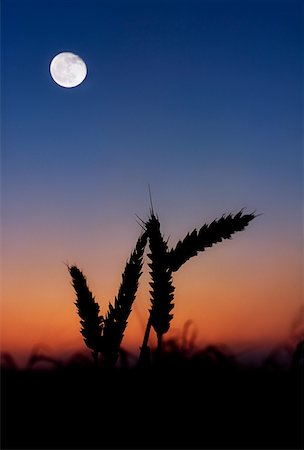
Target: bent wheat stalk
116 319
164 262
208 235
88 310
104 335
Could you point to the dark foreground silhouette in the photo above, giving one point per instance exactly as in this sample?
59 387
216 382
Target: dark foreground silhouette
206 401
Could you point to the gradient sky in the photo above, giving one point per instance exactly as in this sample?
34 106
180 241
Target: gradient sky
200 99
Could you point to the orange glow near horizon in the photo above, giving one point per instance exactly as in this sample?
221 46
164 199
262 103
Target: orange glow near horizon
229 296
191 108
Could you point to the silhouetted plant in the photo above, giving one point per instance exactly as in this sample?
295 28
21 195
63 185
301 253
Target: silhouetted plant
208 235
104 334
115 321
37 358
161 284
8 361
164 262
297 363
88 310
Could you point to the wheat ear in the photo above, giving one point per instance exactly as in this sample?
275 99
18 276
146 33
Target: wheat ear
208 235
88 310
161 284
115 321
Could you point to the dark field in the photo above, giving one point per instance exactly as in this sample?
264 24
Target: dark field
207 401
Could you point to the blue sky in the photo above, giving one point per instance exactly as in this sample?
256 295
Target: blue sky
201 99
196 89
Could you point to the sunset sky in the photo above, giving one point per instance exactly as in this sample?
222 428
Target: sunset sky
200 99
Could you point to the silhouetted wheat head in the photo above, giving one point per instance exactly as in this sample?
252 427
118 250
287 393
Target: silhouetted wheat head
88 310
164 262
161 284
208 235
104 334
115 321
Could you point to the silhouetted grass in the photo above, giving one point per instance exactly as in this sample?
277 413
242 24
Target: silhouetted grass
164 262
88 310
161 284
208 235
203 400
116 319
104 334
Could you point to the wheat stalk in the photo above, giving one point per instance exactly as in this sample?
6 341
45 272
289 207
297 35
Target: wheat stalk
208 235
88 310
164 262
116 319
105 335
161 284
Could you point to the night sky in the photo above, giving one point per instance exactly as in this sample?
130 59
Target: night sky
201 100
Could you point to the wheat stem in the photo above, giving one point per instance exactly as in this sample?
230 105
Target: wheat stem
116 319
144 356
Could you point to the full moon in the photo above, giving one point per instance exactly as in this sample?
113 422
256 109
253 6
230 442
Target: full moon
68 70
